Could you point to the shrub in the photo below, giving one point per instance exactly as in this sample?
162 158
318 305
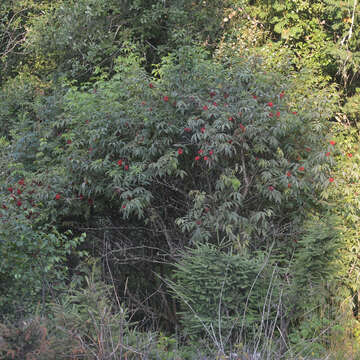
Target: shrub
25 341
203 151
220 139
34 260
227 296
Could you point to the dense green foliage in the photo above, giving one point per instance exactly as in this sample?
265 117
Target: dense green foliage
226 295
204 153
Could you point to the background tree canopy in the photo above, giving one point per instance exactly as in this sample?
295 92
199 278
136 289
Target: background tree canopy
195 165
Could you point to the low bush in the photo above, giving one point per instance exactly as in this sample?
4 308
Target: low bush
26 340
226 297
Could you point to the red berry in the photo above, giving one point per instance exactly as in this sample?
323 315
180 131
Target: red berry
180 151
197 158
10 189
206 158
328 153
119 162
19 203
288 173
271 188
166 98
126 167
202 129
57 196
270 104
301 168
331 179
187 129
205 108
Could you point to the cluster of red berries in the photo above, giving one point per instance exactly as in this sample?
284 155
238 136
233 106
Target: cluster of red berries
180 151
121 162
13 191
206 158
17 195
